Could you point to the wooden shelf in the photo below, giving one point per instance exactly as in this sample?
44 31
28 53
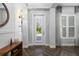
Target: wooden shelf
11 48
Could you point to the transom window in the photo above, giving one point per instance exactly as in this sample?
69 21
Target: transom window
67 26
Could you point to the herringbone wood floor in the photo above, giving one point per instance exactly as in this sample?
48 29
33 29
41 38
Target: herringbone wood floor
47 51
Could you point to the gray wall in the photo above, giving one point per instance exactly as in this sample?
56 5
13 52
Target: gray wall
77 28
29 27
11 29
7 32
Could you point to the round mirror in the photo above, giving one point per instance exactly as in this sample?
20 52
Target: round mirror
4 15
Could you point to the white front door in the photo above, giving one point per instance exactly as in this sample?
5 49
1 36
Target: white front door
39 28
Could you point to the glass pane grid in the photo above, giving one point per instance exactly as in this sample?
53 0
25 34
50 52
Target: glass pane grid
68 27
71 20
64 31
63 20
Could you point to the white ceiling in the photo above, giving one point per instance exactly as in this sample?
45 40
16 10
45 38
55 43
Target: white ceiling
65 4
39 5
49 5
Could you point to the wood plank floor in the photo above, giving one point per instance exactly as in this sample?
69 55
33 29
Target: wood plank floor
47 51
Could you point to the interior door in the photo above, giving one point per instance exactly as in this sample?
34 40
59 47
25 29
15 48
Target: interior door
67 30
39 28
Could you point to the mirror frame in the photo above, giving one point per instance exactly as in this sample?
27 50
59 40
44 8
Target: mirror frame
7 19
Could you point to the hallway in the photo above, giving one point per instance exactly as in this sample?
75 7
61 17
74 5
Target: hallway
43 29
47 51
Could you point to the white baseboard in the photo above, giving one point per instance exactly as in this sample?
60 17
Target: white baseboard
67 45
36 44
25 46
46 44
52 46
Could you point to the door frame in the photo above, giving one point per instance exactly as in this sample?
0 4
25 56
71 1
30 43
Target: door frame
33 27
67 15
68 38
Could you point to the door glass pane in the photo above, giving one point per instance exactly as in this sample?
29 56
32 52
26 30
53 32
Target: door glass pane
64 32
38 29
71 20
71 31
64 20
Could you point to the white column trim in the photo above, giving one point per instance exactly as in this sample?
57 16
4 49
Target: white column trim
52 28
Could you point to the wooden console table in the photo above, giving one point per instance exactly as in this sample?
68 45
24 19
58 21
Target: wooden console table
14 50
